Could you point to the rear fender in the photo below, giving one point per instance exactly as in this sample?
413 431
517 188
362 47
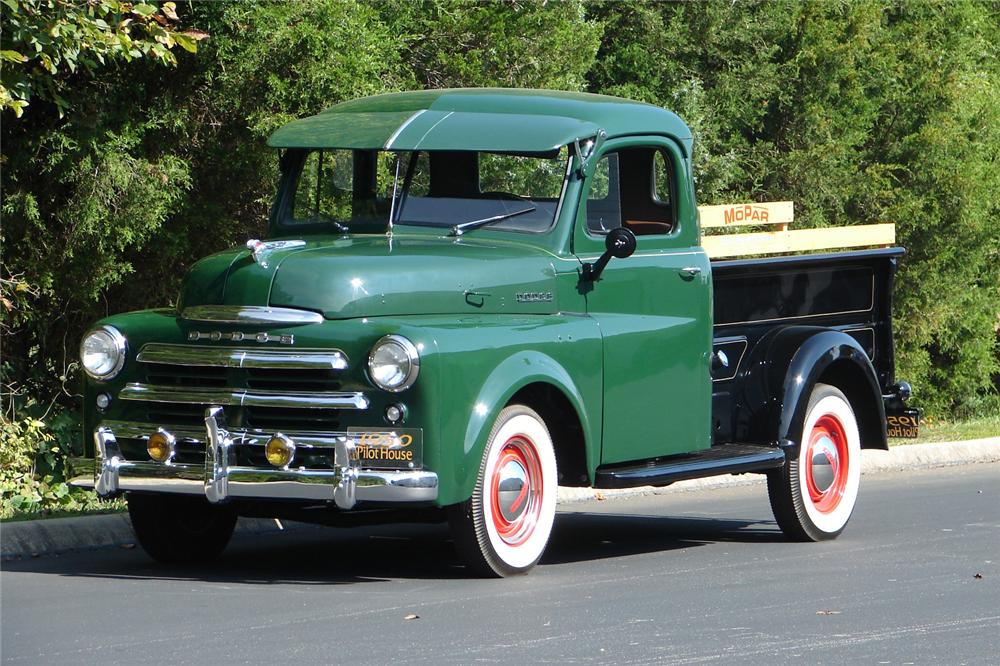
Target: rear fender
787 367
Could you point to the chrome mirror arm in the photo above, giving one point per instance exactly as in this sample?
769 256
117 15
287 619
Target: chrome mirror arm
587 150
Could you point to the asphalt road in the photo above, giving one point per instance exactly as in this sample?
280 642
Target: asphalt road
682 578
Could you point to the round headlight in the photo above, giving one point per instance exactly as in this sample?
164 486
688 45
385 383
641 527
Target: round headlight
102 352
394 363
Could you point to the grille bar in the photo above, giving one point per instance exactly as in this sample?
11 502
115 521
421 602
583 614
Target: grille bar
233 357
243 397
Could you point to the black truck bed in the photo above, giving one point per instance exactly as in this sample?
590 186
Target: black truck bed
754 298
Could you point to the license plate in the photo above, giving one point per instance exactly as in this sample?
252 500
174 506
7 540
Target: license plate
398 448
903 423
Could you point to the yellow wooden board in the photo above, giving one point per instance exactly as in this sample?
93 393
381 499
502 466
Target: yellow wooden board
738 215
800 240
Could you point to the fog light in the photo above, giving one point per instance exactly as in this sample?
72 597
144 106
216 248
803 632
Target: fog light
279 450
395 414
103 401
160 445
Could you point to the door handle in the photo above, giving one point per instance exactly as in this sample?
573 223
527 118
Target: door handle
690 272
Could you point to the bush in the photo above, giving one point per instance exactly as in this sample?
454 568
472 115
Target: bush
34 471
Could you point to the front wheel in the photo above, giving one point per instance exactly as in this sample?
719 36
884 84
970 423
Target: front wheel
814 495
504 528
179 529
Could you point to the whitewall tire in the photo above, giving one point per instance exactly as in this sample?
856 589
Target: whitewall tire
504 528
814 495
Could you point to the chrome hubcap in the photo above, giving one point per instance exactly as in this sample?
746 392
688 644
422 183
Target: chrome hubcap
512 490
824 463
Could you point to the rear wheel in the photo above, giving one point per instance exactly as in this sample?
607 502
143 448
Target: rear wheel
178 529
504 528
814 495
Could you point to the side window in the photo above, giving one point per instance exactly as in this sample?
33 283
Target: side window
603 205
661 179
323 192
646 190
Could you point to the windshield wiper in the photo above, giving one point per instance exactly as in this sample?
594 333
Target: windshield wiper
459 229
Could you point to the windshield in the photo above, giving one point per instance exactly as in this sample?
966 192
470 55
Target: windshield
359 190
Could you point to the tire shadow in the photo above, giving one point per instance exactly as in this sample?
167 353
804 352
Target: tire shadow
586 536
308 555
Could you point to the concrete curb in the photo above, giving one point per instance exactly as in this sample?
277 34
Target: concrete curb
36 538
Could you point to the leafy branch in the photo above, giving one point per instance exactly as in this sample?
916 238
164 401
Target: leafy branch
46 42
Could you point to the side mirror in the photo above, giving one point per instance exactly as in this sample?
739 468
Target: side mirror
619 243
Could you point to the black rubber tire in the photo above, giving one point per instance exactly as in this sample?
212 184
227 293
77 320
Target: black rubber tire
803 516
491 545
177 530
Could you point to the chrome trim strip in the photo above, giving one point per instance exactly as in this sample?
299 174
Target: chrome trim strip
244 397
234 357
245 314
399 130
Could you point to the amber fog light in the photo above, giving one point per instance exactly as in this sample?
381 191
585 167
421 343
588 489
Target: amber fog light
279 450
160 445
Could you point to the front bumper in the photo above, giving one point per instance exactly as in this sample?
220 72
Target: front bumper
344 485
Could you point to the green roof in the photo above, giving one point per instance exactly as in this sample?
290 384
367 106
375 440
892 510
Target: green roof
486 119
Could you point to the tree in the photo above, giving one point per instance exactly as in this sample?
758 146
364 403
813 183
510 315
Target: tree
46 42
860 112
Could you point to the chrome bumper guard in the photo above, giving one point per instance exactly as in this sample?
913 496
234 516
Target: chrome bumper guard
344 485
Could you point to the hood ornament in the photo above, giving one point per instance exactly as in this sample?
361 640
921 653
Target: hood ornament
260 249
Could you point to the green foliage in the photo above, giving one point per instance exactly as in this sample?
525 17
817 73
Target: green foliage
33 469
47 41
533 44
860 112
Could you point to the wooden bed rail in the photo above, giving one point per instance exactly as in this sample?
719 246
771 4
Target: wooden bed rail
778 215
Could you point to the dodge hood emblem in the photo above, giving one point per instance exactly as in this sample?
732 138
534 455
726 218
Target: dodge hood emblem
260 249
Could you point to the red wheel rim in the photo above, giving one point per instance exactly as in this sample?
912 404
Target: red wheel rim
826 463
516 490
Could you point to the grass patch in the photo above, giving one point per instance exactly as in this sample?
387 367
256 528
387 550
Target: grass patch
933 430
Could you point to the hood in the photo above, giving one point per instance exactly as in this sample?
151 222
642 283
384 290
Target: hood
370 276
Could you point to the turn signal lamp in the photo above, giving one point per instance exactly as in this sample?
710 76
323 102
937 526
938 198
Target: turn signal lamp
279 450
160 445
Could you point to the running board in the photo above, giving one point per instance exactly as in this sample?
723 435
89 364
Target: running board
722 459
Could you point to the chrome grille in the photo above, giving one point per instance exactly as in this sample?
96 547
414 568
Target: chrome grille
262 389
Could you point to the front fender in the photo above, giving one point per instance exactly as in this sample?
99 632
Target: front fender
517 371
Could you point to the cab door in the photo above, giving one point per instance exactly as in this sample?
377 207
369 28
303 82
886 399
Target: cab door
653 308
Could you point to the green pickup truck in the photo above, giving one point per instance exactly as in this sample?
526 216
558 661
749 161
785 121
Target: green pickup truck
468 298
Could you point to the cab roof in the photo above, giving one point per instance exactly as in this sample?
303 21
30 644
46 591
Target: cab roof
480 119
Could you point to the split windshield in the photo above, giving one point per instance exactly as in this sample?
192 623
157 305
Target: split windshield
360 189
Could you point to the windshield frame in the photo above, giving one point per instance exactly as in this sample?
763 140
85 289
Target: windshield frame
292 162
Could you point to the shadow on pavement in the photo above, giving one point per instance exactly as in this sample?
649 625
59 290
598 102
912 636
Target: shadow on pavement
582 536
340 556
